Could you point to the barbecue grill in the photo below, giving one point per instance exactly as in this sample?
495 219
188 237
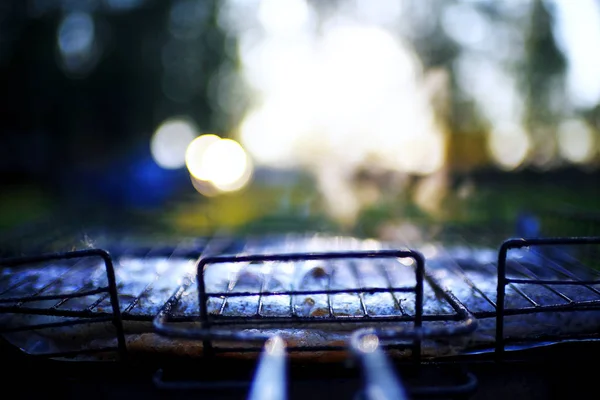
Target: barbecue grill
258 201
59 294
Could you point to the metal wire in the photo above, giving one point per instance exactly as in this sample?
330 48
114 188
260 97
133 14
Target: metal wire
171 253
390 286
103 298
229 292
265 278
531 276
492 268
552 264
111 289
60 278
328 293
461 272
82 291
359 281
214 327
208 334
503 280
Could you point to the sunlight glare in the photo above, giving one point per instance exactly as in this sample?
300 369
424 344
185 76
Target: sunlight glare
268 137
352 94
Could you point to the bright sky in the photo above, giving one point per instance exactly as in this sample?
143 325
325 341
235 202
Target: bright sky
578 35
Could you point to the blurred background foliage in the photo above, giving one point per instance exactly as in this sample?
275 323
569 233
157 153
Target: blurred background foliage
512 88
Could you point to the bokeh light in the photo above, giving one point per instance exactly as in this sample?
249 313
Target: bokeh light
217 165
76 33
194 156
576 141
205 188
170 141
509 146
228 164
77 43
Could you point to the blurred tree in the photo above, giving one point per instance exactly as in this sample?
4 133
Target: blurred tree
543 69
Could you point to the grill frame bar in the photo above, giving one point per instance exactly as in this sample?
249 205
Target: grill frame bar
207 334
316 256
503 281
110 289
465 322
568 277
117 317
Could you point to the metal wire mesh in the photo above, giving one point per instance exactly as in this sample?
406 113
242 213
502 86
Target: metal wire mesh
460 279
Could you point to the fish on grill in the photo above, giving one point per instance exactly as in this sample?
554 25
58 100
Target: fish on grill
146 283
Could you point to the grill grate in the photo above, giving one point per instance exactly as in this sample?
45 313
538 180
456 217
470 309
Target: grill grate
525 266
91 295
417 289
504 280
110 289
208 321
567 287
